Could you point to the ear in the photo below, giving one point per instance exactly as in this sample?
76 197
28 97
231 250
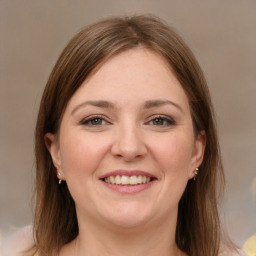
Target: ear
198 153
52 144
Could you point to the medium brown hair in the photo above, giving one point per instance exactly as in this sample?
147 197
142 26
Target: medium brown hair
55 221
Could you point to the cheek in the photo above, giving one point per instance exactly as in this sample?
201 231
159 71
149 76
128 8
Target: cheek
174 154
80 155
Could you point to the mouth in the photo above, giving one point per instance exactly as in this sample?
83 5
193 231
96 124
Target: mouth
128 181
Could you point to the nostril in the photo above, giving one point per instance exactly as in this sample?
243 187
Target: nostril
128 146
128 158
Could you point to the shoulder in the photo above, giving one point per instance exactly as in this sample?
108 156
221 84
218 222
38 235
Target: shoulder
16 243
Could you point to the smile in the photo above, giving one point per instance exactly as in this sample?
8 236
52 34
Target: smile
126 180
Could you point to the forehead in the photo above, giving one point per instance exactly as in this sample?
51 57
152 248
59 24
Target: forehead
137 74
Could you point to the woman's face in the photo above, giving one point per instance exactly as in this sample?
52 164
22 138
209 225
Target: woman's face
126 145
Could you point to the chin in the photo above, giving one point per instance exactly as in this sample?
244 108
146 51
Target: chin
128 217
128 222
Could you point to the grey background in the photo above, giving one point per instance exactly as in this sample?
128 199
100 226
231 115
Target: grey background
222 35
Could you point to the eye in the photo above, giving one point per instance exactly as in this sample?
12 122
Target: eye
97 120
161 121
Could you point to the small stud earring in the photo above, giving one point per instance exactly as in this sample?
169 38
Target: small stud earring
195 173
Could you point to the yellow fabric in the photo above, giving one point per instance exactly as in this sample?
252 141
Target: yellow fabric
250 246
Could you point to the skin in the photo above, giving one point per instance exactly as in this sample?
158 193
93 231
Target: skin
126 134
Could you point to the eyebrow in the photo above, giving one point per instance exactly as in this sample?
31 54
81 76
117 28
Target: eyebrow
159 103
96 103
106 104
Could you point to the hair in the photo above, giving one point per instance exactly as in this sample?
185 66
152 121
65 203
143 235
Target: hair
55 222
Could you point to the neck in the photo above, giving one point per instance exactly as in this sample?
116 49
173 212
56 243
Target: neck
150 239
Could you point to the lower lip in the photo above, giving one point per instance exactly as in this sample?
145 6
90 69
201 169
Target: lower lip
129 189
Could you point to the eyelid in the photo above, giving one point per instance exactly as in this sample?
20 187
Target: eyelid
167 118
89 118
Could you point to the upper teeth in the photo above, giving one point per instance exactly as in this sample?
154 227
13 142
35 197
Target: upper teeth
127 180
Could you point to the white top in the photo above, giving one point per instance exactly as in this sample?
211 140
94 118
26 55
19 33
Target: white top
17 242
22 239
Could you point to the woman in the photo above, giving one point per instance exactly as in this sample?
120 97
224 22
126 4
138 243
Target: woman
127 154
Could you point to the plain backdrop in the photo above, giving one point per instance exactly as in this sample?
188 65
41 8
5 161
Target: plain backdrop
222 34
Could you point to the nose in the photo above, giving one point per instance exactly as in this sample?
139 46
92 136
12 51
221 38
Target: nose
129 144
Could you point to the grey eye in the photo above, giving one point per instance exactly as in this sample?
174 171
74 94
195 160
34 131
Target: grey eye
93 121
162 121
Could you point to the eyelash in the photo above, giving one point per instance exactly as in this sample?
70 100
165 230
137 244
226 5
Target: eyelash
88 121
166 121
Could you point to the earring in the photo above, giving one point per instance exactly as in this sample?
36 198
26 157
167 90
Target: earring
195 173
59 179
